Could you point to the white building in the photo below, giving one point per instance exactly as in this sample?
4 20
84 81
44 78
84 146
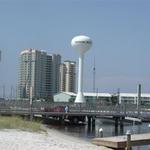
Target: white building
104 98
133 97
89 97
64 97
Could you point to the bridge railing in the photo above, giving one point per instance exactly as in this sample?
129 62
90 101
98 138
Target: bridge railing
126 109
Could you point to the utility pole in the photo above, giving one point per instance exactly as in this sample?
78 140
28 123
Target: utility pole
139 99
0 55
3 91
118 96
94 73
11 92
96 94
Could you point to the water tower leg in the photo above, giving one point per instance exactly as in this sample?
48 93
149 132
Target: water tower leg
80 97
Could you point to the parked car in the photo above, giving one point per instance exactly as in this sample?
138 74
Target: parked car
54 109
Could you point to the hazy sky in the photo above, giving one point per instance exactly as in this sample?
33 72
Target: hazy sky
120 30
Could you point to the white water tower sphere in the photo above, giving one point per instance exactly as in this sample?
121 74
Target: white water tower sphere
81 44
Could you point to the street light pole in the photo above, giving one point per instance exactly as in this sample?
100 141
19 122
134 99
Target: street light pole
139 99
31 102
0 55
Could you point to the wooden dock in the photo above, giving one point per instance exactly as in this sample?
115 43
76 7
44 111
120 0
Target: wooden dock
120 142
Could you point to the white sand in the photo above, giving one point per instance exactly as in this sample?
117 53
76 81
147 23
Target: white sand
52 140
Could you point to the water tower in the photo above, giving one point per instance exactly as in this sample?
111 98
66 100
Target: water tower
81 44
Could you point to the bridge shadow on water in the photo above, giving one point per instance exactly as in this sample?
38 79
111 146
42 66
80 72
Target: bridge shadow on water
89 132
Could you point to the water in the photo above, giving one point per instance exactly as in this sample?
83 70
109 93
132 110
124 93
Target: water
108 130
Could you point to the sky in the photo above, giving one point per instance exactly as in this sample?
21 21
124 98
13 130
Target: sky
119 29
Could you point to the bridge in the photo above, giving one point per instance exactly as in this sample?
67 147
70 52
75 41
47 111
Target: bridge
76 112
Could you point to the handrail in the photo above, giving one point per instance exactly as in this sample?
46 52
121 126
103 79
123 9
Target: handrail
93 108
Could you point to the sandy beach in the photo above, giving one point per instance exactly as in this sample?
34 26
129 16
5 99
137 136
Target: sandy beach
11 139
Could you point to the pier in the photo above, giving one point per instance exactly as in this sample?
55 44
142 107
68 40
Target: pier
120 142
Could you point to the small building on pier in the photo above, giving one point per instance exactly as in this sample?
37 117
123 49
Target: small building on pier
64 97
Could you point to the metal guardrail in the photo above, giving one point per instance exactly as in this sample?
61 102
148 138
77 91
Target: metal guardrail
89 108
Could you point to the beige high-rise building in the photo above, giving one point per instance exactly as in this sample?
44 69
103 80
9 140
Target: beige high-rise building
68 76
39 72
56 61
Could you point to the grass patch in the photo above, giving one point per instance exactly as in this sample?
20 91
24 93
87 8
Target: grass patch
12 122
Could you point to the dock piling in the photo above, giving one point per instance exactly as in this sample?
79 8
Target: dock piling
128 146
100 132
89 121
149 128
93 122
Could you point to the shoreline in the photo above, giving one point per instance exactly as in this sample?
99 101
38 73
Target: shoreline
13 139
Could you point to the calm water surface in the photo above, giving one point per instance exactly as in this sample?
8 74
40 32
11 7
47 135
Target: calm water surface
108 129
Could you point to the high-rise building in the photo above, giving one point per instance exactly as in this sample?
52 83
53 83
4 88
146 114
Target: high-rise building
56 61
38 71
68 76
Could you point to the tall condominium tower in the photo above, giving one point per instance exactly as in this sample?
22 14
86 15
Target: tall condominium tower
56 61
68 76
38 71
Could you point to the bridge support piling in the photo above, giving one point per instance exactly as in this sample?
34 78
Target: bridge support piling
93 122
61 120
116 125
89 121
119 121
121 125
